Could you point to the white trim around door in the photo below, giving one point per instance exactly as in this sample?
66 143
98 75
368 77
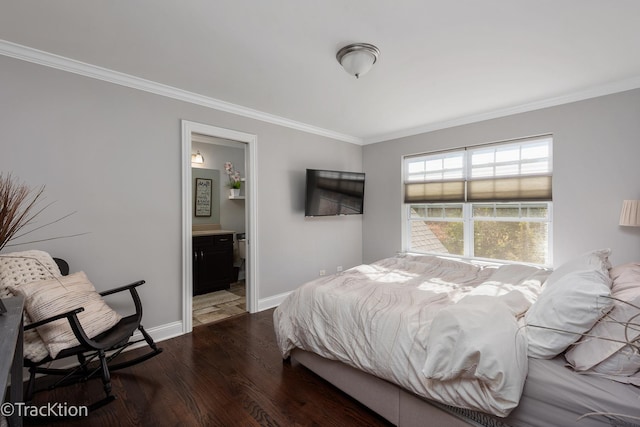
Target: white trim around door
188 128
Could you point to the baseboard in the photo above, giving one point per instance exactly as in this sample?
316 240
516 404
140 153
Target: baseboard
159 333
271 302
175 329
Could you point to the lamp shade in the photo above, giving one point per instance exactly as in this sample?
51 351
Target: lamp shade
630 214
358 58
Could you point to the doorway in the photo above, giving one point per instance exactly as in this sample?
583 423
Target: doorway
229 138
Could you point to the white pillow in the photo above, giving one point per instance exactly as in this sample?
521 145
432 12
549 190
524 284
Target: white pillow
17 268
565 309
23 267
47 298
626 281
623 363
608 354
605 339
593 260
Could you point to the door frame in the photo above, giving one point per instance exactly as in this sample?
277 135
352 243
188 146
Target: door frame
251 281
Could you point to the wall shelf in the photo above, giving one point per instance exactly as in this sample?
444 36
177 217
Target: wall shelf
236 197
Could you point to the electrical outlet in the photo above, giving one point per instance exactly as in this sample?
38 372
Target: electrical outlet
339 268
322 272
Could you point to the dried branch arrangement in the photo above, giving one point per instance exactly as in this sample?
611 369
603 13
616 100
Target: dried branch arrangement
17 207
631 326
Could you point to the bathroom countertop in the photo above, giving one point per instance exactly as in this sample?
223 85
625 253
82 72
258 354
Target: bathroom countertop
208 230
211 232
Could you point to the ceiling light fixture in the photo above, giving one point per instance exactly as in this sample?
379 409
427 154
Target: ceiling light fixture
197 158
358 58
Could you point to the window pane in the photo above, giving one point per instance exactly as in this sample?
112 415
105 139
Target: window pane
507 154
516 158
432 176
416 167
418 211
482 157
435 212
535 167
506 170
536 211
435 167
510 210
415 177
453 162
453 212
507 211
512 241
483 210
440 211
451 174
437 236
535 150
485 172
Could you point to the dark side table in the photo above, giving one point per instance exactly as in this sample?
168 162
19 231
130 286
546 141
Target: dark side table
11 353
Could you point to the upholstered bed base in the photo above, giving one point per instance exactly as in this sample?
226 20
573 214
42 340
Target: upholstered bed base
398 406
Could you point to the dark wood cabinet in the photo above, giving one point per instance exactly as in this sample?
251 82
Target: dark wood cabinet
212 263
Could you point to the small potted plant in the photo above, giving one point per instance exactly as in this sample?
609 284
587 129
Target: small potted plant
234 179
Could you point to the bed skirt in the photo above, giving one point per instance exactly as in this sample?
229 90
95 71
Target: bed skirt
398 406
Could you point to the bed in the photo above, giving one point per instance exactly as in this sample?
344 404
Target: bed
418 337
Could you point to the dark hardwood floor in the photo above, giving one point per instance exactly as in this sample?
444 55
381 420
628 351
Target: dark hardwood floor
229 373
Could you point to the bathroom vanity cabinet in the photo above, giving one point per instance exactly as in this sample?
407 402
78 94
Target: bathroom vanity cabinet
212 263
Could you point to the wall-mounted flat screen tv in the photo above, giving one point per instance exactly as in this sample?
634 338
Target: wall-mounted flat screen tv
334 193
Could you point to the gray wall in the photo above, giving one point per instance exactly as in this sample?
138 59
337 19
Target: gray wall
232 212
596 153
113 155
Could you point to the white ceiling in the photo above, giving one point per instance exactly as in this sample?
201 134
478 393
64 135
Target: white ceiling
442 62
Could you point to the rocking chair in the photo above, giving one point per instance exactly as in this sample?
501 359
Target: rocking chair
104 348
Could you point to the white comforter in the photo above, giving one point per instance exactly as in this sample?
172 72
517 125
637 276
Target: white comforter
443 328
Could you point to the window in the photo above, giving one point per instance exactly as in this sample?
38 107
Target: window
491 201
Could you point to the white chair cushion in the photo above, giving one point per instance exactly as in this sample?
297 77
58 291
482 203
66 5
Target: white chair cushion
17 268
47 298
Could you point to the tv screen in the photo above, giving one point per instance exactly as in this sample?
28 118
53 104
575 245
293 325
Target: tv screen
334 193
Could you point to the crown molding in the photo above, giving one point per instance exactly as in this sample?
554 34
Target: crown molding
62 63
593 92
51 60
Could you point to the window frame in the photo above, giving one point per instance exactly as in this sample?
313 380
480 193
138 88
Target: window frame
468 218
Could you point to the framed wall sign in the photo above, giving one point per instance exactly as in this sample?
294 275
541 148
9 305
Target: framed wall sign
203 197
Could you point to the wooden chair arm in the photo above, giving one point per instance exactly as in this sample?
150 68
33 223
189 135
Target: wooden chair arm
74 322
76 327
122 288
134 295
69 314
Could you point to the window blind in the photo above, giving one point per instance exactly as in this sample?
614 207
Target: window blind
513 171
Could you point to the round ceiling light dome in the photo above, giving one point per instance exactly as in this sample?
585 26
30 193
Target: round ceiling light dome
358 58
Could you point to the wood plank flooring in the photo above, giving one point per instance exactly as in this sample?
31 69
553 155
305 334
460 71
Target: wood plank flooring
228 373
